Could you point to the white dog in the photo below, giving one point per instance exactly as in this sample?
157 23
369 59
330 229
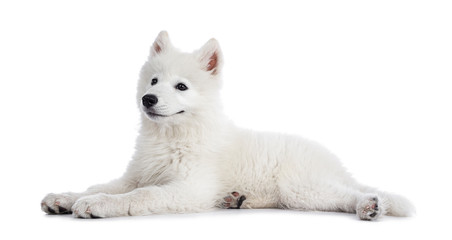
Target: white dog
190 158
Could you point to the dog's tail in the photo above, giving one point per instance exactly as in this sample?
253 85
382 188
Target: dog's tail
396 205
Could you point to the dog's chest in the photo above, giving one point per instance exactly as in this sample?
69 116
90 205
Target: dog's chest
160 163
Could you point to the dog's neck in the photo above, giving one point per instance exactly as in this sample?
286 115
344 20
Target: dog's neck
200 130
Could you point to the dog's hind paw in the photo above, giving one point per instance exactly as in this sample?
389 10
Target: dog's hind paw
233 201
368 208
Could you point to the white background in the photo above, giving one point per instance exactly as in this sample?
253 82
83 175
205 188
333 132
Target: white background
371 80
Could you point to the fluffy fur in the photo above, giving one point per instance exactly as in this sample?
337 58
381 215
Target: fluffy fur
190 158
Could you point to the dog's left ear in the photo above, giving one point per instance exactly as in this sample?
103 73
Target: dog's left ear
211 57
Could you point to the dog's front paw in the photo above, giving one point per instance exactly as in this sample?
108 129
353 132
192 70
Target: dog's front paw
58 203
233 201
368 208
98 206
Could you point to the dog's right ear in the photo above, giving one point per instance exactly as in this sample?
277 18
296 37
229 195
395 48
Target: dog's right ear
161 44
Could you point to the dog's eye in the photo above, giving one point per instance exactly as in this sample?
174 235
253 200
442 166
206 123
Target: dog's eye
181 87
154 81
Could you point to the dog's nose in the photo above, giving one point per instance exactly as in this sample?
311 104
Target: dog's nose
149 100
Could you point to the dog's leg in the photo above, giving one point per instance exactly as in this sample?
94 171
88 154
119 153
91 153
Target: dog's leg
332 197
62 203
172 198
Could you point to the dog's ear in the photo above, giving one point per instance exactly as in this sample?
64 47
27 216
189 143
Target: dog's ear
161 44
211 57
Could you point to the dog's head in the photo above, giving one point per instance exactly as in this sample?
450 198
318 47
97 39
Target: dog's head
176 86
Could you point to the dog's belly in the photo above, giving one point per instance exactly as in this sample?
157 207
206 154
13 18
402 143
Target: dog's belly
252 170
259 165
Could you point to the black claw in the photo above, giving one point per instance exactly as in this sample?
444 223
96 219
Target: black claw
240 201
373 214
51 211
62 210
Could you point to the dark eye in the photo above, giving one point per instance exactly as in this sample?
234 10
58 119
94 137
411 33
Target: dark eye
154 81
181 87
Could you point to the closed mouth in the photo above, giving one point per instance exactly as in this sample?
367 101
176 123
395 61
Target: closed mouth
152 114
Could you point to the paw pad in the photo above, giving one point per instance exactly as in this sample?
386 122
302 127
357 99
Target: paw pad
368 209
233 201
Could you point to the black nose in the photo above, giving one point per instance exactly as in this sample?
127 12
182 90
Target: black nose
149 100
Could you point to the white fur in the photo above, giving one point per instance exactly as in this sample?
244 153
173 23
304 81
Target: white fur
187 162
